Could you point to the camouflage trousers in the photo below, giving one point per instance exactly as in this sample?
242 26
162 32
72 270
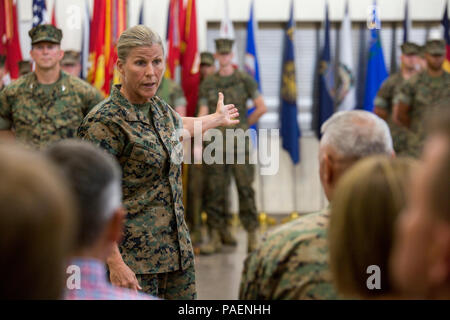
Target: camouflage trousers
406 142
195 197
402 139
217 187
177 285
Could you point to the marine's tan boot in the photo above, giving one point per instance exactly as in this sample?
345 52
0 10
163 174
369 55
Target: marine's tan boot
252 241
214 245
227 237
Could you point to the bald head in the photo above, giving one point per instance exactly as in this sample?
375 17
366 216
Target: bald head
347 137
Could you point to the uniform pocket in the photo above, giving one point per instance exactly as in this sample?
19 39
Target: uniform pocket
142 171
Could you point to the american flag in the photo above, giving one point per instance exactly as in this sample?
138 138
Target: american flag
40 15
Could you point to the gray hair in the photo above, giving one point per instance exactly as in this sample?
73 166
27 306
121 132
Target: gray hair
95 179
137 36
357 134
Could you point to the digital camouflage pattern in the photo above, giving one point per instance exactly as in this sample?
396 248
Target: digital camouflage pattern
435 46
421 93
410 48
45 32
217 195
291 263
385 100
71 57
141 137
171 93
206 58
224 45
177 285
42 114
237 89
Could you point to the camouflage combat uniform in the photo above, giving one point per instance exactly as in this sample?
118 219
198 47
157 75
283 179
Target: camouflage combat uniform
291 263
237 89
41 114
384 100
171 93
156 243
421 93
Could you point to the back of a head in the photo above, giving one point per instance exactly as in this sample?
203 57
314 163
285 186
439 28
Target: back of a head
357 134
367 201
36 219
95 179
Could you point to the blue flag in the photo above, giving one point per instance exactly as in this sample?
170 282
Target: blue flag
141 13
251 64
290 131
376 68
326 79
39 13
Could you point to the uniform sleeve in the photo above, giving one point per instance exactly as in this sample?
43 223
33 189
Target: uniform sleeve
404 93
251 86
5 111
178 122
384 95
203 93
106 135
92 97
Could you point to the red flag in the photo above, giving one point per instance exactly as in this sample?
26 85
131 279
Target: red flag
120 25
445 24
96 39
54 14
173 37
9 37
108 22
190 60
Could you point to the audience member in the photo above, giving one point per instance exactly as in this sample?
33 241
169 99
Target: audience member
36 223
292 263
366 203
95 178
421 258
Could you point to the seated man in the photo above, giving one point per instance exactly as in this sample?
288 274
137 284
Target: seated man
95 179
36 219
292 263
421 258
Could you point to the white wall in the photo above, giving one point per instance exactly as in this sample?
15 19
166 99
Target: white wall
211 10
290 189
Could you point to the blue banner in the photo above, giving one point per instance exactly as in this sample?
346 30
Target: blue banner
290 131
376 68
251 64
326 79
141 14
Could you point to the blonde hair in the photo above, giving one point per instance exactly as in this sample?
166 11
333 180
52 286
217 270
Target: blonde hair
365 206
137 36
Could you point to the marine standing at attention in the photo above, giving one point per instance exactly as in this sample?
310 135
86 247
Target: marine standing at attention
418 96
46 105
139 129
237 87
384 100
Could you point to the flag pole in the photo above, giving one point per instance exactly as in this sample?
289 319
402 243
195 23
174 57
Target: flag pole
294 213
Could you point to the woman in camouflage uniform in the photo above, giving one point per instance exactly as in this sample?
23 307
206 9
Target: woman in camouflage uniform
138 128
